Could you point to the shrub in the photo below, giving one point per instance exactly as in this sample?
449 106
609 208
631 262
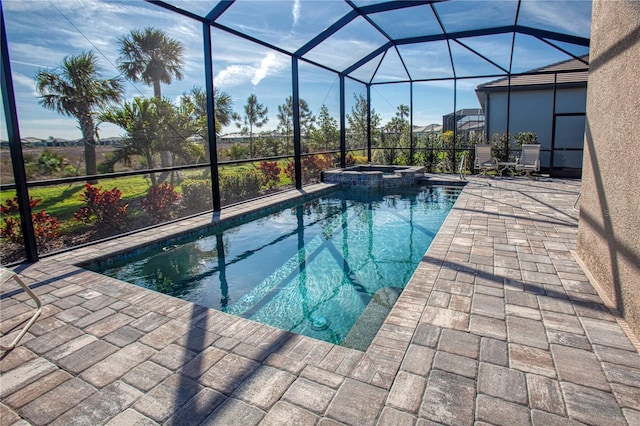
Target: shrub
290 171
69 170
158 201
526 138
239 187
352 160
312 165
251 183
196 194
45 226
238 151
349 160
500 146
270 173
102 206
49 161
10 206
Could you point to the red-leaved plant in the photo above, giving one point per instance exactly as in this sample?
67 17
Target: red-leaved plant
270 173
45 226
158 201
102 206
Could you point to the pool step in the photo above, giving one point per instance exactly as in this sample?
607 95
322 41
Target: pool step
273 281
366 327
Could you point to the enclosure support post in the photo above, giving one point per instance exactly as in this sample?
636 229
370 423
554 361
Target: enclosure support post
553 124
411 148
508 143
455 125
211 122
487 114
513 45
343 127
15 148
297 151
368 123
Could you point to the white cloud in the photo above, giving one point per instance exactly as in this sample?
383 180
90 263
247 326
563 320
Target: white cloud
234 75
268 62
296 11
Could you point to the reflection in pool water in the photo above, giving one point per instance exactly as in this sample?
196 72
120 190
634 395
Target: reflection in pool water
319 268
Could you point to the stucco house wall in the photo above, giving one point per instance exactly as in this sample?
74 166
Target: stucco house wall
609 225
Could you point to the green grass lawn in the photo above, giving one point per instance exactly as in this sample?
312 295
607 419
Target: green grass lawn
62 201
253 167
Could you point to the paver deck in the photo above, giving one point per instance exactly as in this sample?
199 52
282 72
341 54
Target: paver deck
499 325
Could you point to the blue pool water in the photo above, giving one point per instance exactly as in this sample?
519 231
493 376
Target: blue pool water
322 268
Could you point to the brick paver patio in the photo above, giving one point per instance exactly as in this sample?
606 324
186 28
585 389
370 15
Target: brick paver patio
499 325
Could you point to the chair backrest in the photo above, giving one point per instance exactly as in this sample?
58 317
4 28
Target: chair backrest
483 153
530 154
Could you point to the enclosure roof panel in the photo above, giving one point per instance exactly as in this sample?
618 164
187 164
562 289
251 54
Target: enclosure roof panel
408 22
346 46
287 24
344 35
561 16
369 40
464 15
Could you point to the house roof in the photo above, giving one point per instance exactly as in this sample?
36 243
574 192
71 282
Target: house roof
426 129
464 112
544 76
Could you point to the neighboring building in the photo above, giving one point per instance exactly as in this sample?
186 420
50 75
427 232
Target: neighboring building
559 123
419 131
240 137
237 137
467 121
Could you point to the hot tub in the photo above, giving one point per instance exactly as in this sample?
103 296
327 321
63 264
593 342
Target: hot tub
374 176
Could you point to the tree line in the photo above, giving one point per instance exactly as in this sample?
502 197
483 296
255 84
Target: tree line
157 130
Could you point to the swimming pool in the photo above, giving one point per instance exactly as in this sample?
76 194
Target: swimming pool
330 268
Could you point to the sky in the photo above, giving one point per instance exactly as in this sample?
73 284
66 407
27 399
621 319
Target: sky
42 33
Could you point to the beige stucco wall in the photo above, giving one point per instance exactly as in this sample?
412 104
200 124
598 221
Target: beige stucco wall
609 227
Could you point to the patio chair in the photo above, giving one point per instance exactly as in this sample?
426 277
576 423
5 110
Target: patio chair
5 276
484 160
529 160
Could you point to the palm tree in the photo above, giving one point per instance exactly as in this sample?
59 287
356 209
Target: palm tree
152 126
140 120
76 90
196 101
152 57
222 103
403 111
399 123
255 115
